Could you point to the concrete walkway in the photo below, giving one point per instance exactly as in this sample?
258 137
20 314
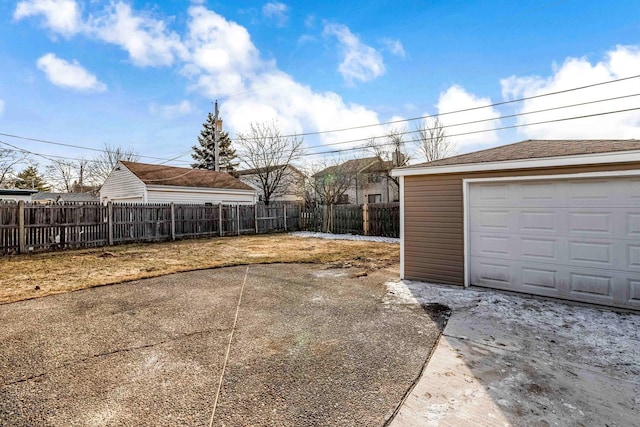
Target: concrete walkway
511 360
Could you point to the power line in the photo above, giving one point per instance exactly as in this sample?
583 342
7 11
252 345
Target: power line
493 129
165 160
63 144
495 104
408 132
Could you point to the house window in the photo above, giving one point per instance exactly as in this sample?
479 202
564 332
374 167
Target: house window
343 199
374 198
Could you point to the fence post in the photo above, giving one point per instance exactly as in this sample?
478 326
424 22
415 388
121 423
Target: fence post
255 216
238 217
284 209
22 235
173 221
110 223
220 218
365 218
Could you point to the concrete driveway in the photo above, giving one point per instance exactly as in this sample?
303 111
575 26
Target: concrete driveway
513 360
313 346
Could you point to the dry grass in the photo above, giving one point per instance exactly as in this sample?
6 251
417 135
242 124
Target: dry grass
30 276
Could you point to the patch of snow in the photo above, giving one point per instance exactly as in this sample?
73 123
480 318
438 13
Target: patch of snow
354 237
592 336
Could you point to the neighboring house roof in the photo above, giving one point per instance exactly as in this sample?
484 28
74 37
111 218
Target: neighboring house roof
365 165
184 177
65 197
266 169
16 192
530 153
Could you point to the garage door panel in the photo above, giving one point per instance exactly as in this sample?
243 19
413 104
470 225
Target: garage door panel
588 191
538 221
536 277
633 225
574 239
539 249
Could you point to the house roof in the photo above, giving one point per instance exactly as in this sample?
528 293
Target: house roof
267 168
530 153
184 177
367 164
65 197
16 191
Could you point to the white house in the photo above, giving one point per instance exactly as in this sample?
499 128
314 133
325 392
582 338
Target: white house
132 182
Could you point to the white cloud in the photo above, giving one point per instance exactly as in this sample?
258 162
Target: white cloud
361 62
276 11
69 74
456 98
621 62
61 16
146 39
223 61
394 47
220 61
172 111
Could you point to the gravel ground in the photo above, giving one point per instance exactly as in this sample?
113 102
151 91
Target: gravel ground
313 346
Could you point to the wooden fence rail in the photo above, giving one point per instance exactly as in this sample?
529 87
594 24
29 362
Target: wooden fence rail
379 219
32 227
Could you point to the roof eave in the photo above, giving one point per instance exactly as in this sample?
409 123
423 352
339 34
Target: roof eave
534 163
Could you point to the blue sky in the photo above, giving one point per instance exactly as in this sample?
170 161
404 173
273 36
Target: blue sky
142 74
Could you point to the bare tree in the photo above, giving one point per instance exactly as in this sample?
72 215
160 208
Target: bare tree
330 179
8 160
392 149
433 141
61 173
107 161
269 153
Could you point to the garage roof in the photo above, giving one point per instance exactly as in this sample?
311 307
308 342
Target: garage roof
532 153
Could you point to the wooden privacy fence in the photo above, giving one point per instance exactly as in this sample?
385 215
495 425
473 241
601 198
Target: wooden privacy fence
375 219
30 227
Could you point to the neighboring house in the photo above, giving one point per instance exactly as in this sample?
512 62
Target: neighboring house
133 182
369 181
291 188
552 218
48 197
16 195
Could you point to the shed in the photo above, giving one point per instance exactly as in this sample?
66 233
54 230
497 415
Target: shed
133 182
558 218
16 194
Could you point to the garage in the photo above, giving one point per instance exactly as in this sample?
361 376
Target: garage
571 238
551 218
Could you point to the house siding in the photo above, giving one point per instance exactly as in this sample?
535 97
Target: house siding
123 186
198 196
434 219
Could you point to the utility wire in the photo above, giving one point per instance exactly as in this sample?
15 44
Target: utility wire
493 129
495 104
356 127
408 132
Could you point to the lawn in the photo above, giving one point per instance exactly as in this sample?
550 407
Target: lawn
32 276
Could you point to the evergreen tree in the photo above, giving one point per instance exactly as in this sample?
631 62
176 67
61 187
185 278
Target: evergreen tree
204 155
30 179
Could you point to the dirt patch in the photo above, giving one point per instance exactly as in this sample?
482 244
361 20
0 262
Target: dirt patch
32 276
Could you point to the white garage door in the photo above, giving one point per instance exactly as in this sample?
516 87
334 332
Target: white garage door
573 239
